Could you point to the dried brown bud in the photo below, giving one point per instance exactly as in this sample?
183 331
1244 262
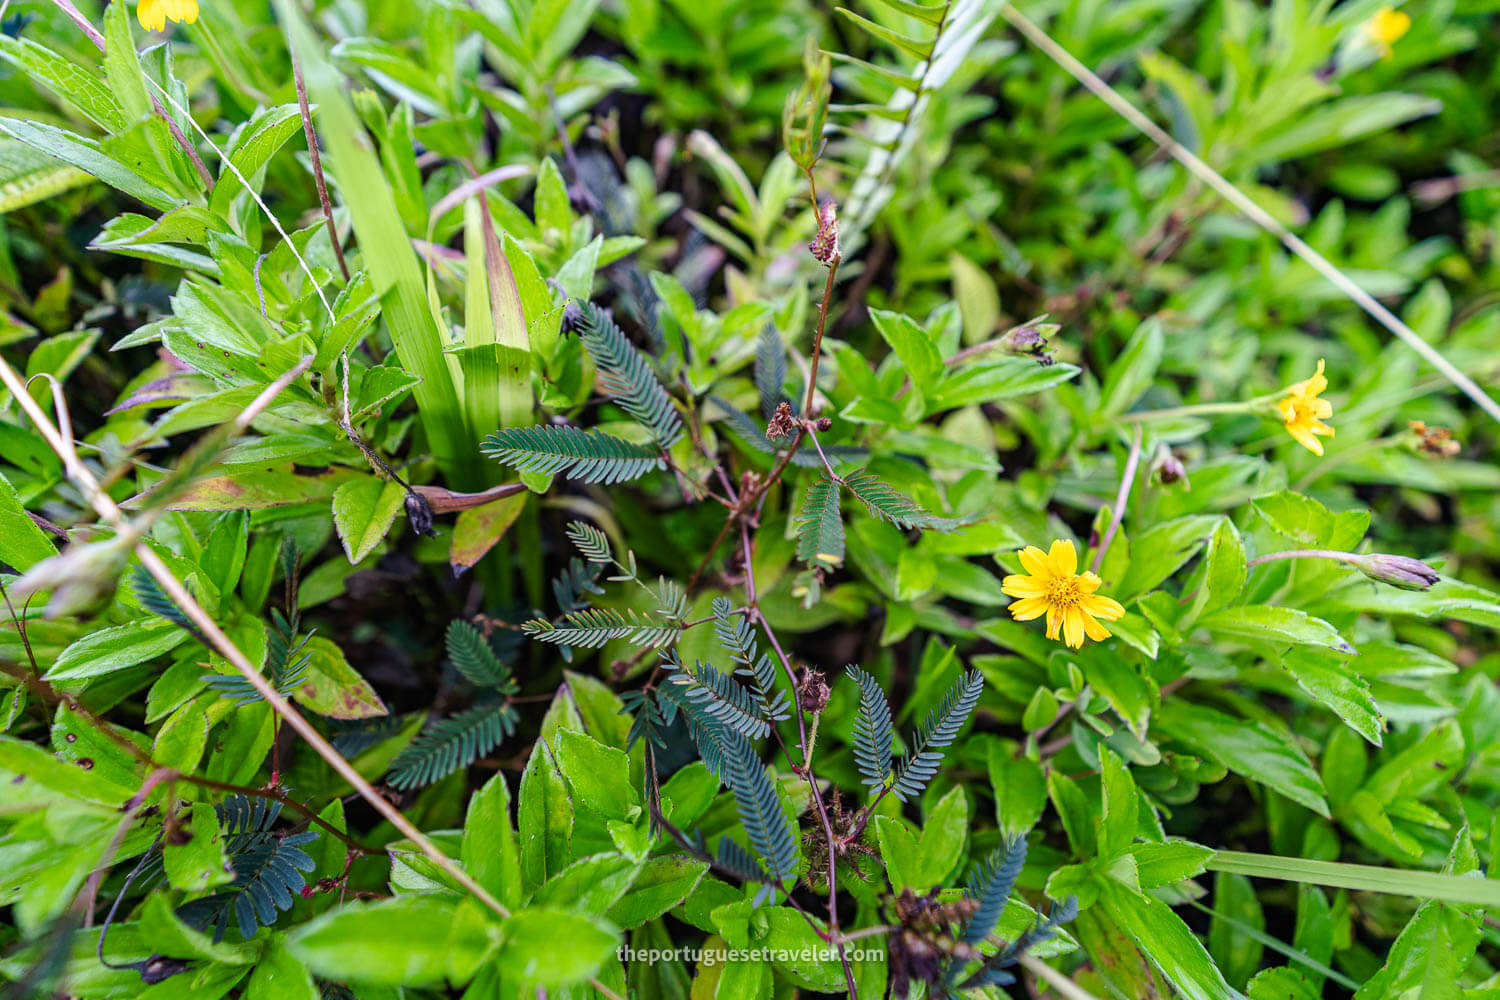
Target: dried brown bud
783 423
812 690
1435 441
825 246
1398 571
419 514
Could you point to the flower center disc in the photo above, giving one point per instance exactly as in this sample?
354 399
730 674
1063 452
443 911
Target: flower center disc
1062 592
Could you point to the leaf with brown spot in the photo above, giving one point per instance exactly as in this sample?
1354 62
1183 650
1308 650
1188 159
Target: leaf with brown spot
333 688
479 529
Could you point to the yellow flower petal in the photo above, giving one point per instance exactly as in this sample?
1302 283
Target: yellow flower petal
1073 627
1054 621
1094 630
152 14
1029 608
1034 561
1017 585
1101 607
1063 559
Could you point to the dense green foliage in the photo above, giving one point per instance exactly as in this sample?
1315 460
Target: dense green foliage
748 499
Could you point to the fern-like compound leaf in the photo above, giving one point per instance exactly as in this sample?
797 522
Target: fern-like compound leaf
722 697
766 826
156 601
451 743
473 657
820 530
572 587
591 543
770 370
872 730
710 735
593 627
737 636
625 375
937 733
287 662
587 456
990 886
885 504
268 869
733 859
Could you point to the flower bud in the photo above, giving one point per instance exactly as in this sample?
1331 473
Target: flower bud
1398 571
825 246
1167 468
1030 338
82 578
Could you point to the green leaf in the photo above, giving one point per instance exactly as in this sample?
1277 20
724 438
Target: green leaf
545 817
599 775
1278 626
170 936
885 504
911 46
662 885
1117 825
554 948
1431 953
1338 123
913 345
1020 791
73 83
1131 373
112 649
1310 524
27 762
1160 550
1332 680
280 976
1170 862
1250 749
944 837
22 543
1224 577
1167 942
1238 954
992 381
251 148
409 940
490 851
363 511
85 155
199 863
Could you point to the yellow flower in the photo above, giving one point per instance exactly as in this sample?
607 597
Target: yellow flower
1303 412
1385 28
154 14
1052 584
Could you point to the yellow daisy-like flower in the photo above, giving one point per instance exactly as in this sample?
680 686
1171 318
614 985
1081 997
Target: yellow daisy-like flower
1053 585
154 14
1303 412
1386 27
